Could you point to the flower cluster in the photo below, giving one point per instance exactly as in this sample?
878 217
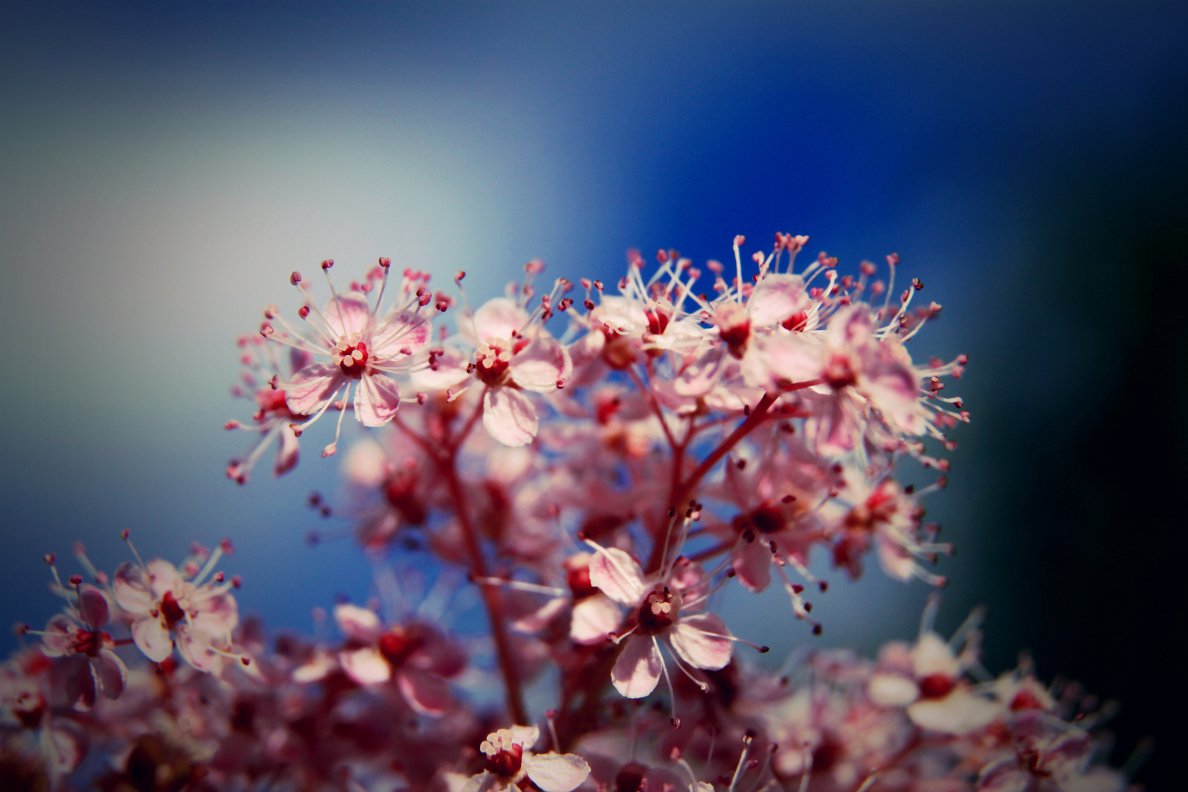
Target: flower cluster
598 470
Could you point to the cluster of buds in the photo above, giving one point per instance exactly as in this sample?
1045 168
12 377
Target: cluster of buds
597 471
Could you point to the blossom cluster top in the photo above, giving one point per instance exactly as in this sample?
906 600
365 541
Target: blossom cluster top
599 467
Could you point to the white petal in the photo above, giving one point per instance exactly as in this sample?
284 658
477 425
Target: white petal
131 589
638 668
931 655
893 690
365 464
700 641
960 712
152 637
366 666
361 624
509 416
400 330
618 575
286 452
557 772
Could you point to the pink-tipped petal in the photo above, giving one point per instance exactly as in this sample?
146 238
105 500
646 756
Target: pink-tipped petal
638 668
701 641
618 575
541 364
509 416
312 387
59 636
752 564
401 330
557 772
376 399
426 693
152 637
347 313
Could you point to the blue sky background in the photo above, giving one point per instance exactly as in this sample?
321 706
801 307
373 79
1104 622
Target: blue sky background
164 169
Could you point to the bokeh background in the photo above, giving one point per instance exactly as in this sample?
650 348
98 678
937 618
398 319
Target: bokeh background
163 169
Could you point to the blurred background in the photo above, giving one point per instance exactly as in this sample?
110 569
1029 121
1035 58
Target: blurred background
164 169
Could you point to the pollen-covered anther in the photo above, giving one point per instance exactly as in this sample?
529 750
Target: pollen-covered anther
492 360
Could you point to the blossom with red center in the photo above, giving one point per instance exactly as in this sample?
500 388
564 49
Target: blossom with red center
272 420
78 634
510 763
355 346
169 609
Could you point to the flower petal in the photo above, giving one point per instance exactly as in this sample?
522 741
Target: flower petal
497 318
59 636
701 641
594 618
131 589
111 672
92 604
960 712
776 298
360 624
540 365
286 452
347 313
893 690
638 668
557 772
377 398
152 637
426 693
365 666
618 575
400 330
509 416
312 387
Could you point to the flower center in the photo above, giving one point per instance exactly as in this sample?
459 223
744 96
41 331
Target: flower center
171 610
88 642
350 355
659 610
936 686
492 360
838 372
504 754
734 325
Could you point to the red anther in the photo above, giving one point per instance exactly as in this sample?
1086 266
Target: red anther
245 660
303 311
237 581
232 424
425 299
275 381
589 304
676 724
422 397
76 580
561 383
823 585
124 534
917 283
327 264
218 577
385 262
797 588
459 275
893 259
226 547
442 306
295 277
757 257
266 329
598 285
817 629
662 256
49 558
739 240
271 312
962 360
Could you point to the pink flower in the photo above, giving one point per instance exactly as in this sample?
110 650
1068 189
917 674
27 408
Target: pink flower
515 356
167 609
354 346
78 635
662 608
509 761
273 421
